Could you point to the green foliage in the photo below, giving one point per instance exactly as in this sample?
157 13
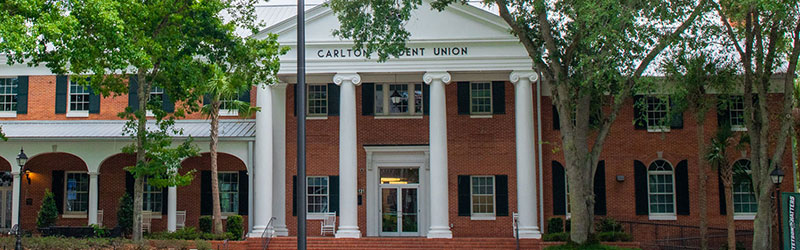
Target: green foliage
587 247
202 245
163 160
190 233
100 231
205 223
48 212
172 244
59 243
234 225
614 236
125 213
560 236
608 225
739 246
2 135
555 225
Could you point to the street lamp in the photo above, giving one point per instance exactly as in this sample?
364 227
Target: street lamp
22 159
777 177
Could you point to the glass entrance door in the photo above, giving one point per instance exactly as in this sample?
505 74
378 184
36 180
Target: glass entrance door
400 211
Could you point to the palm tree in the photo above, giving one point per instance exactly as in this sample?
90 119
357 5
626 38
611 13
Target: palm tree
717 156
221 90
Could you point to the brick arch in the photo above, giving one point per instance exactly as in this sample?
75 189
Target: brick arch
225 162
56 161
4 164
111 183
42 166
189 197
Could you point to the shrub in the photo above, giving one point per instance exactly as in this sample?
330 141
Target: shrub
187 233
555 225
202 245
739 246
614 236
172 244
48 213
586 247
561 236
100 231
234 226
125 213
205 224
608 225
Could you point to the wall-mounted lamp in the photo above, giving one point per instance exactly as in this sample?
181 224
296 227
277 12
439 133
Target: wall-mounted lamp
28 176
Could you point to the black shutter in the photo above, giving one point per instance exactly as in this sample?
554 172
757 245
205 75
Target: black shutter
556 119
129 181
463 196
682 188
294 195
94 102
721 189
205 193
676 120
499 97
501 185
600 189
333 99
639 121
559 190
206 99
22 95
167 104
133 92
244 193
723 113
296 99
245 95
426 99
463 98
61 94
333 189
58 189
164 200
640 182
368 99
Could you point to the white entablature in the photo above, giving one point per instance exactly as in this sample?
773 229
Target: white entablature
459 38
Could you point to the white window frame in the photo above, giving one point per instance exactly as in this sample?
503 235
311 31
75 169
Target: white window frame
472 85
221 192
76 113
145 199
731 111
318 215
742 215
326 99
482 216
153 91
412 106
224 110
671 172
75 214
647 111
14 88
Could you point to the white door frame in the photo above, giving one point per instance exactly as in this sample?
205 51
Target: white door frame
396 156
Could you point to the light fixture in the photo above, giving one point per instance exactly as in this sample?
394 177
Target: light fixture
776 176
28 176
396 98
22 158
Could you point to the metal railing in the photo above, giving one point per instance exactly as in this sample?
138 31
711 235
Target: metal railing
516 228
664 236
267 234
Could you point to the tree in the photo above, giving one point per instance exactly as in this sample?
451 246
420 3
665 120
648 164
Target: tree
111 41
692 74
765 36
592 53
125 213
2 135
717 156
48 213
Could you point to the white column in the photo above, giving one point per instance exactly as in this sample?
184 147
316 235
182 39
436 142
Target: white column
16 193
526 180
262 180
440 226
93 197
172 208
348 163
279 159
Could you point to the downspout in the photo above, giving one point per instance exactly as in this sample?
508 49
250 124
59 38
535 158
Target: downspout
250 186
539 147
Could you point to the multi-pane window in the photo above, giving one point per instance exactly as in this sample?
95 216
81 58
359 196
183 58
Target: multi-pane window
736 112
227 103
657 111
78 97
153 197
8 94
317 99
229 192
317 194
77 192
744 198
661 189
157 94
398 99
480 101
482 195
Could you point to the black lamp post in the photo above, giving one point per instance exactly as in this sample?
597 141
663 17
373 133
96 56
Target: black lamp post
777 177
21 160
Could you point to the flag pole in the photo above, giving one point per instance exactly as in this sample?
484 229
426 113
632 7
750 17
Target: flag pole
301 125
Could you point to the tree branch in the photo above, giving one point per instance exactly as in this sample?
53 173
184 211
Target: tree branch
533 52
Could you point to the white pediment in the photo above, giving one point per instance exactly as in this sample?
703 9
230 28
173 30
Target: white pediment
459 38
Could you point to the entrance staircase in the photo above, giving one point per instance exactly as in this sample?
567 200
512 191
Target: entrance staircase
370 243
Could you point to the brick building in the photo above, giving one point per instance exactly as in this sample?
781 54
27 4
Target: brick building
448 140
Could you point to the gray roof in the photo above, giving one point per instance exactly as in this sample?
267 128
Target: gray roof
113 128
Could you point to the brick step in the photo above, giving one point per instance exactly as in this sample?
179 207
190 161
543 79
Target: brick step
376 243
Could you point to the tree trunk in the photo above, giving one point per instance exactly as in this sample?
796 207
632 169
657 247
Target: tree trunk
762 225
141 136
214 176
727 183
581 198
702 183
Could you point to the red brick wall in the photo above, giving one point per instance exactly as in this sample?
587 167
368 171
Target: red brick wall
41 167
